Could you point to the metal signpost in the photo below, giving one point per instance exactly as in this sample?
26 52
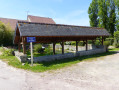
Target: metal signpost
31 39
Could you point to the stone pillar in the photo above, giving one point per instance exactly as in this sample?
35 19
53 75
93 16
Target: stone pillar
76 46
24 46
54 48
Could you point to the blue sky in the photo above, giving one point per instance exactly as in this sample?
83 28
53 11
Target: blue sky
74 12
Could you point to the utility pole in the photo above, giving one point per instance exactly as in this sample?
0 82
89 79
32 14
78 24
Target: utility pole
27 12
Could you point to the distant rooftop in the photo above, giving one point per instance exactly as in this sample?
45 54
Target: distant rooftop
38 19
30 18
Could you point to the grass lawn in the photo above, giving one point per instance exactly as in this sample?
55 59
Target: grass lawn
53 65
48 51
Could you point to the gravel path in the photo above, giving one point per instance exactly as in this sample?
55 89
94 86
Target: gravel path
100 74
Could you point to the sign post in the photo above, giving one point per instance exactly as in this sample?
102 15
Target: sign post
31 39
31 53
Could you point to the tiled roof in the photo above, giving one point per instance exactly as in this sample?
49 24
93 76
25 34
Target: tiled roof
38 19
11 22
42 29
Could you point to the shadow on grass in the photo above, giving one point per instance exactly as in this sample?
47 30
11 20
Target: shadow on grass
76 59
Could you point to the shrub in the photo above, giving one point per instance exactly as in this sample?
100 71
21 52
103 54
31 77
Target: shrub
73 43
37 48
67 48
89 41
116 38
111 40
117 45
81 43
97 42
7 52
48 49
106 43
116 35
6 36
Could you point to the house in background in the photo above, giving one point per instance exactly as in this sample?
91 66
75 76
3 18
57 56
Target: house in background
30 18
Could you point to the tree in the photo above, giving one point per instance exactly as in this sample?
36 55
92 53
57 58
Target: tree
117 13
112 17
103 12
116 39
6 36
93 11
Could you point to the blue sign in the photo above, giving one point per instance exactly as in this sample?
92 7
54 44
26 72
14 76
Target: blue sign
31 39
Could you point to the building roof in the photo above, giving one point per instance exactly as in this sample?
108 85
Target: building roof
38 19
42 29
57 32
12 22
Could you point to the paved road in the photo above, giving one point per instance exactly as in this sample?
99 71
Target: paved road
100 74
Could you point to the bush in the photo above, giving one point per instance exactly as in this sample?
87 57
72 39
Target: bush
89 41
111 40
73 43
106 43
7 52
37 48
6 36
81 43
117 45
116 35
97 42
116 38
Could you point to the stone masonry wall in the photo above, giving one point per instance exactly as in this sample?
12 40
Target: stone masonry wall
68 55
21 57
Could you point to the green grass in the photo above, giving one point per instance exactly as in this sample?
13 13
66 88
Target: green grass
53 65
48 51
114 49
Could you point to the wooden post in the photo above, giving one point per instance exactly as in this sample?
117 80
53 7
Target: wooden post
54 48
63 47
19 46
102 41
76 46
86 45
24 46
93 42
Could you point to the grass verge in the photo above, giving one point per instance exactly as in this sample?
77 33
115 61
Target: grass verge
53 65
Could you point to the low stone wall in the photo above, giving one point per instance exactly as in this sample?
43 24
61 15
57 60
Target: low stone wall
68 55
22 58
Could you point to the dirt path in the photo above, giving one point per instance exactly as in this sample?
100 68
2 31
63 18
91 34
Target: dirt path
100 74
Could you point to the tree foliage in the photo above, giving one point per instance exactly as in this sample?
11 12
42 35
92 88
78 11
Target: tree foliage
116 39
106 11
116 35
6 36
93 11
